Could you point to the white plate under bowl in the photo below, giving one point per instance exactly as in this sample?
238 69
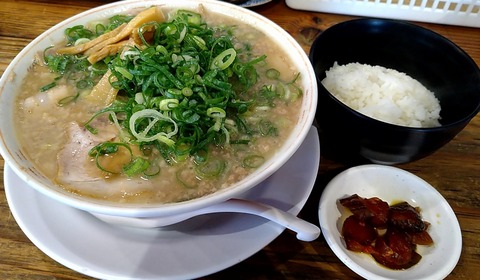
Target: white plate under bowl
392 184
191 249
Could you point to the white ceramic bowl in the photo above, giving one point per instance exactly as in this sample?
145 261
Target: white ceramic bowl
392 184
16 71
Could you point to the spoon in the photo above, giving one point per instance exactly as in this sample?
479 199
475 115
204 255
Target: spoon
305 230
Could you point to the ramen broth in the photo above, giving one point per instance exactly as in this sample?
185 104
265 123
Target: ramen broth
54 137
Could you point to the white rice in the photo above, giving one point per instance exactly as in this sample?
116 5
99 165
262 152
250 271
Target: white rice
384 94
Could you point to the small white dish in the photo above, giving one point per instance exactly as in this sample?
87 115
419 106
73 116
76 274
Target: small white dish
392 184
191 249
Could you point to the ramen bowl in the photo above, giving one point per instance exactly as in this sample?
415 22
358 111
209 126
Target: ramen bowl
28 171
429 58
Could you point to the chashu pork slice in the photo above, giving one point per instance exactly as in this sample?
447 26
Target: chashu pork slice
74 164
78 172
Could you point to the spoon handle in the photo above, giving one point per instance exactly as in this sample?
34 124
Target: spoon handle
305 230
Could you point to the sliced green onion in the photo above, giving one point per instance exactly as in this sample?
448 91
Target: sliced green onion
77 32
185 179
200 156
182 34
136 166
217 125
173 92
267 128
186 91
139 98
161 49
91 129
152 170
152 116
200 42
253 161
83 84
211 168
182 151
224 59
170 29
122 133
227 135
215 112
273 74
191 17
81 41
100 29
124 72
49 86
68 99
168 104
107 148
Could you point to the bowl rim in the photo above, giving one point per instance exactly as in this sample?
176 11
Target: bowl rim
301 130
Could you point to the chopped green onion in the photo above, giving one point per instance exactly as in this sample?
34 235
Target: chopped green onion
81 41
186 87
49 86
186 91
107 148
68 99
267 128
161 49
136 166
139 98
78 32
152 170
224 59
99 29
152 116
215 112
83 84
211 168
191 17
200 42
273 74
168 104
253 161
185 179
124 73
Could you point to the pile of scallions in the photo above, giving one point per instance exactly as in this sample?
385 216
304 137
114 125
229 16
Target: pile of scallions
188 87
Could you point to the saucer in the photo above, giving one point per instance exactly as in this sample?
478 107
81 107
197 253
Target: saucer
197 247
393 184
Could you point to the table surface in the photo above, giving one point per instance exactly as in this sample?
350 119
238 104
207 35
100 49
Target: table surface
454 170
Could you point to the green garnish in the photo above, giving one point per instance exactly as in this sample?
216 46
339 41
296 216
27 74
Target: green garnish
253 161
136 166
49 86
76 68
211 168
107 148
186 88
188 77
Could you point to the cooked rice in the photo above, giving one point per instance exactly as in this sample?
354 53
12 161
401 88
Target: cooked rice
384 94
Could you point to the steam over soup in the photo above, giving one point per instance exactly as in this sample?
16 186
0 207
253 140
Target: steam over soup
163 106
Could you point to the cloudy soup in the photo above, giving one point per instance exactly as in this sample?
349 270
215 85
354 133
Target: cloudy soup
160 106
